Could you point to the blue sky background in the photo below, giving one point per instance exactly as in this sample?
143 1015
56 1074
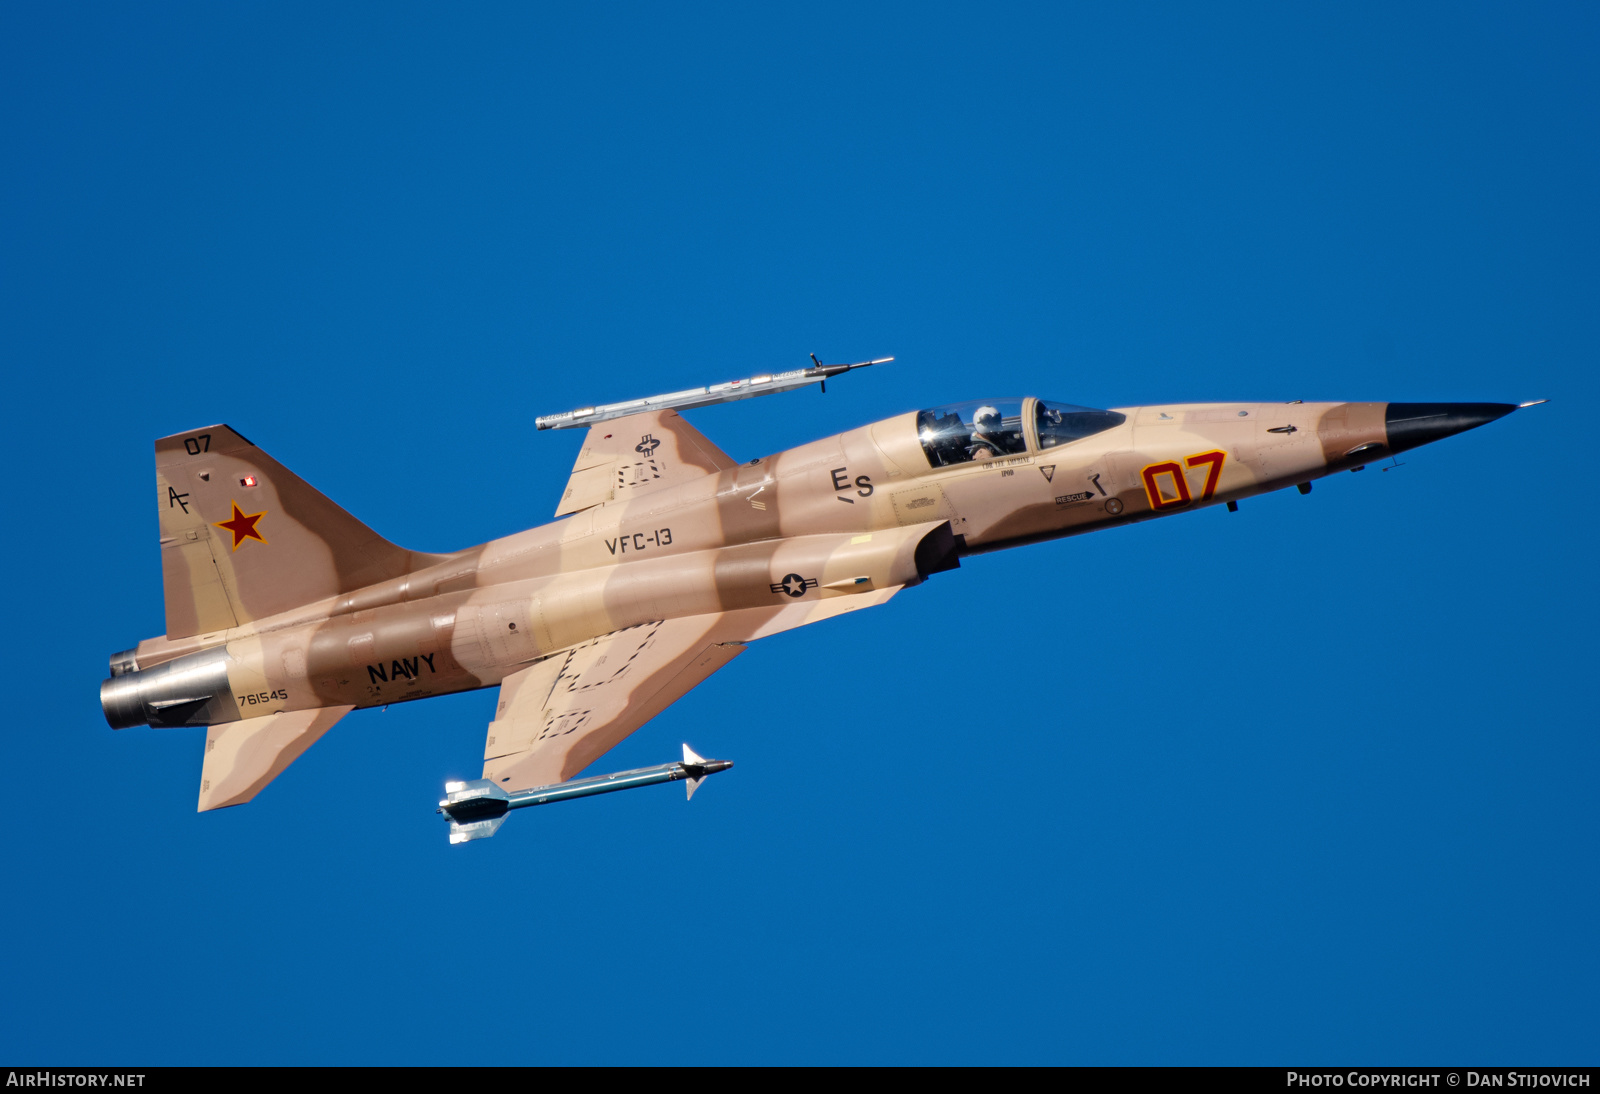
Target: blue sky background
1311 783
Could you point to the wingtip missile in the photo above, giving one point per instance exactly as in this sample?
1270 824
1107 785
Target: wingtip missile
476 808
769 383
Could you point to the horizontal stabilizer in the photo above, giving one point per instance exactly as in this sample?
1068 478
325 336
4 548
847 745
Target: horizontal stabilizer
243 757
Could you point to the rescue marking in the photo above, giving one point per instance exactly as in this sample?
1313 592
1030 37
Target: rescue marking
1075 499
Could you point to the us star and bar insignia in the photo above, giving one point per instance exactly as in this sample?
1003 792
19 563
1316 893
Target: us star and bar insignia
242 525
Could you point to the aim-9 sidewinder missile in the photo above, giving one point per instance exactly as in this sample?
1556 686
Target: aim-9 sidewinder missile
477 808
769 383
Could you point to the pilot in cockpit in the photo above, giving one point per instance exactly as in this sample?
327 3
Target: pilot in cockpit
986 428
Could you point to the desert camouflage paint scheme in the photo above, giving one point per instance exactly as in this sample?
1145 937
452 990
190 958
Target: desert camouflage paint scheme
285 613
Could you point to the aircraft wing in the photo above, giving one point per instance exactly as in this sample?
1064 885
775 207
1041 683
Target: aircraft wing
558 716
626 457
243 757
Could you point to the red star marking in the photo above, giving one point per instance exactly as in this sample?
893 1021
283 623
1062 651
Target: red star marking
242 526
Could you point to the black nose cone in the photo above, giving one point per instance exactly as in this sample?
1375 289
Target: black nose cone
1414 424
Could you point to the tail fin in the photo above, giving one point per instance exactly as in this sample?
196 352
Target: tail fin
243 537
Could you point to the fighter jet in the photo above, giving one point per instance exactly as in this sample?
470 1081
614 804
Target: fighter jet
284 613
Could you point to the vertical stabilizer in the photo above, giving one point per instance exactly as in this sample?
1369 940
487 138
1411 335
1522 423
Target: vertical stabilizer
243 537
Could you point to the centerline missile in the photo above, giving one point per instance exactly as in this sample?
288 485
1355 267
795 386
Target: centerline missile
477 808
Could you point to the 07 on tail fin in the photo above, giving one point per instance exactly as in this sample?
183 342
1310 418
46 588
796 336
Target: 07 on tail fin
243 537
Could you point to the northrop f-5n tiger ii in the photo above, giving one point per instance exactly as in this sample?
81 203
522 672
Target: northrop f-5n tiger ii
285 613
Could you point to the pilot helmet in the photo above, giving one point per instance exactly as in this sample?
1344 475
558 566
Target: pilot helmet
986 419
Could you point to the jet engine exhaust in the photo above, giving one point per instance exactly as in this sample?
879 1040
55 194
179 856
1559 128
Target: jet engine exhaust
187 691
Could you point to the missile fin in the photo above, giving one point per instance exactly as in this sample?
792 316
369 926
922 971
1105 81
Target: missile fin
690 756
461 833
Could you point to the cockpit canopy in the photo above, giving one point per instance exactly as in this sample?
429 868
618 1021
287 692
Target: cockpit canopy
986 428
